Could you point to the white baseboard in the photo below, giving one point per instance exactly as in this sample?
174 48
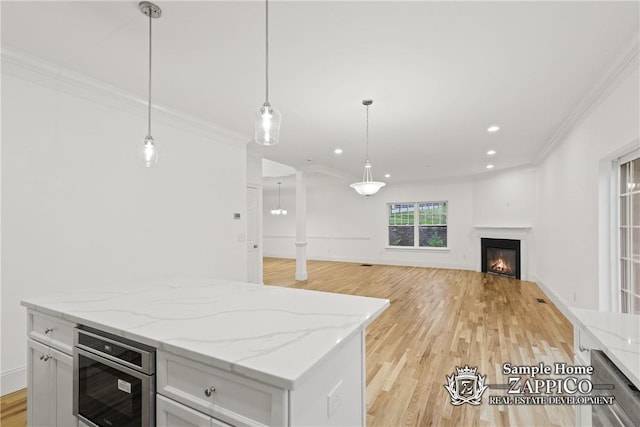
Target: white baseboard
364 260
554 297
13 380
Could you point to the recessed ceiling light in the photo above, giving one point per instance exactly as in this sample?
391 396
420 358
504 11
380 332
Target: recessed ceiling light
491 152
489 166
338 151
493 128
387 175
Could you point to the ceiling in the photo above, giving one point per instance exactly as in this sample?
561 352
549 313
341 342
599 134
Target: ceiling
440 73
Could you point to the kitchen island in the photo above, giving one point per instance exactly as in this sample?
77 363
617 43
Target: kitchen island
617 335
271 355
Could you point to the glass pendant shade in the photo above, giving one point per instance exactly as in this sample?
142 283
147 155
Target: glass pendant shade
150 152
367 187
267 126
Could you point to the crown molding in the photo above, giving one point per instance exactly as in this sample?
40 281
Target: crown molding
43 73
620 69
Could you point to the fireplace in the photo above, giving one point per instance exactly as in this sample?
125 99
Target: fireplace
501 257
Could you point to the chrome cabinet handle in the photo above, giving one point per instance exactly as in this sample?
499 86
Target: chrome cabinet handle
209 390
46 331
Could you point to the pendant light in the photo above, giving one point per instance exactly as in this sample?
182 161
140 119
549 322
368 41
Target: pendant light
278 210
367 187
150 150
267 124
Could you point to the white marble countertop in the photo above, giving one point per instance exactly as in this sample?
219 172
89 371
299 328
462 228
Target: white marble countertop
268 333
618 336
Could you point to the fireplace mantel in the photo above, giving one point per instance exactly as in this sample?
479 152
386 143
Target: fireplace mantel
518 232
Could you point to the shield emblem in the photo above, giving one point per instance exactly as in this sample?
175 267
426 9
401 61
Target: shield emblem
466 386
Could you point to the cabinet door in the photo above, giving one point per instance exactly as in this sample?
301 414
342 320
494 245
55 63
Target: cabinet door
39 397
62 371
173 414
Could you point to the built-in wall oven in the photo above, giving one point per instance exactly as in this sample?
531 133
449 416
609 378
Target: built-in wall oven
625 409
113 380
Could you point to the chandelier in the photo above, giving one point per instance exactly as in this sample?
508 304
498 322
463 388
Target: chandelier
278 210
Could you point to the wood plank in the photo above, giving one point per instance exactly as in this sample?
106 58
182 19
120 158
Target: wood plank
440 319
13 409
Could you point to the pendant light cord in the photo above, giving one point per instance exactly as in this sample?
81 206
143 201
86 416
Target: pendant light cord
266 38
367 133
149 106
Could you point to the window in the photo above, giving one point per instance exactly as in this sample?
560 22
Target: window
630 235
418 224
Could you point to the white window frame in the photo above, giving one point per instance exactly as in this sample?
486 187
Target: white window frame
617 288
416 226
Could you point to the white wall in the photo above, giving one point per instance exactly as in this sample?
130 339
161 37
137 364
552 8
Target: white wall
568 185
344 226
254 169
505 199
79 209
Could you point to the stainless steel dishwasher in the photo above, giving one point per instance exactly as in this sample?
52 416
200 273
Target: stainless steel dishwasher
625 410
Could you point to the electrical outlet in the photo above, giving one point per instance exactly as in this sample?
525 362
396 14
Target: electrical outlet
334 399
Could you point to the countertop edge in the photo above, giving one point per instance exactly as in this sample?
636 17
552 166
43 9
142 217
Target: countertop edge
253 374
610 352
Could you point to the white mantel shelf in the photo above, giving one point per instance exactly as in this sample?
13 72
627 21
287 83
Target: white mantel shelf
272 334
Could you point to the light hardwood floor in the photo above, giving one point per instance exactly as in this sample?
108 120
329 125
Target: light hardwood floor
13 409
438 319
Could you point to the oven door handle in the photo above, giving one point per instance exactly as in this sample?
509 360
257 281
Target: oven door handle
107 362
147 357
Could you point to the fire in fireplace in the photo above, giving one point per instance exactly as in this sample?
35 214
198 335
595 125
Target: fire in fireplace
501 257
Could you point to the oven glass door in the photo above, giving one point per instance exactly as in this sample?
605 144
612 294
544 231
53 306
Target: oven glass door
110 395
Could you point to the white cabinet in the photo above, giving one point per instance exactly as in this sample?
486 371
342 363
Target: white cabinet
50 389
49 372
39 388
233 399
193 394
173 414
52 331
583 343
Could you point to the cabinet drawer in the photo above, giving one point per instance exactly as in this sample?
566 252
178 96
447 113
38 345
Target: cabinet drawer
55 332
173 414
231 398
